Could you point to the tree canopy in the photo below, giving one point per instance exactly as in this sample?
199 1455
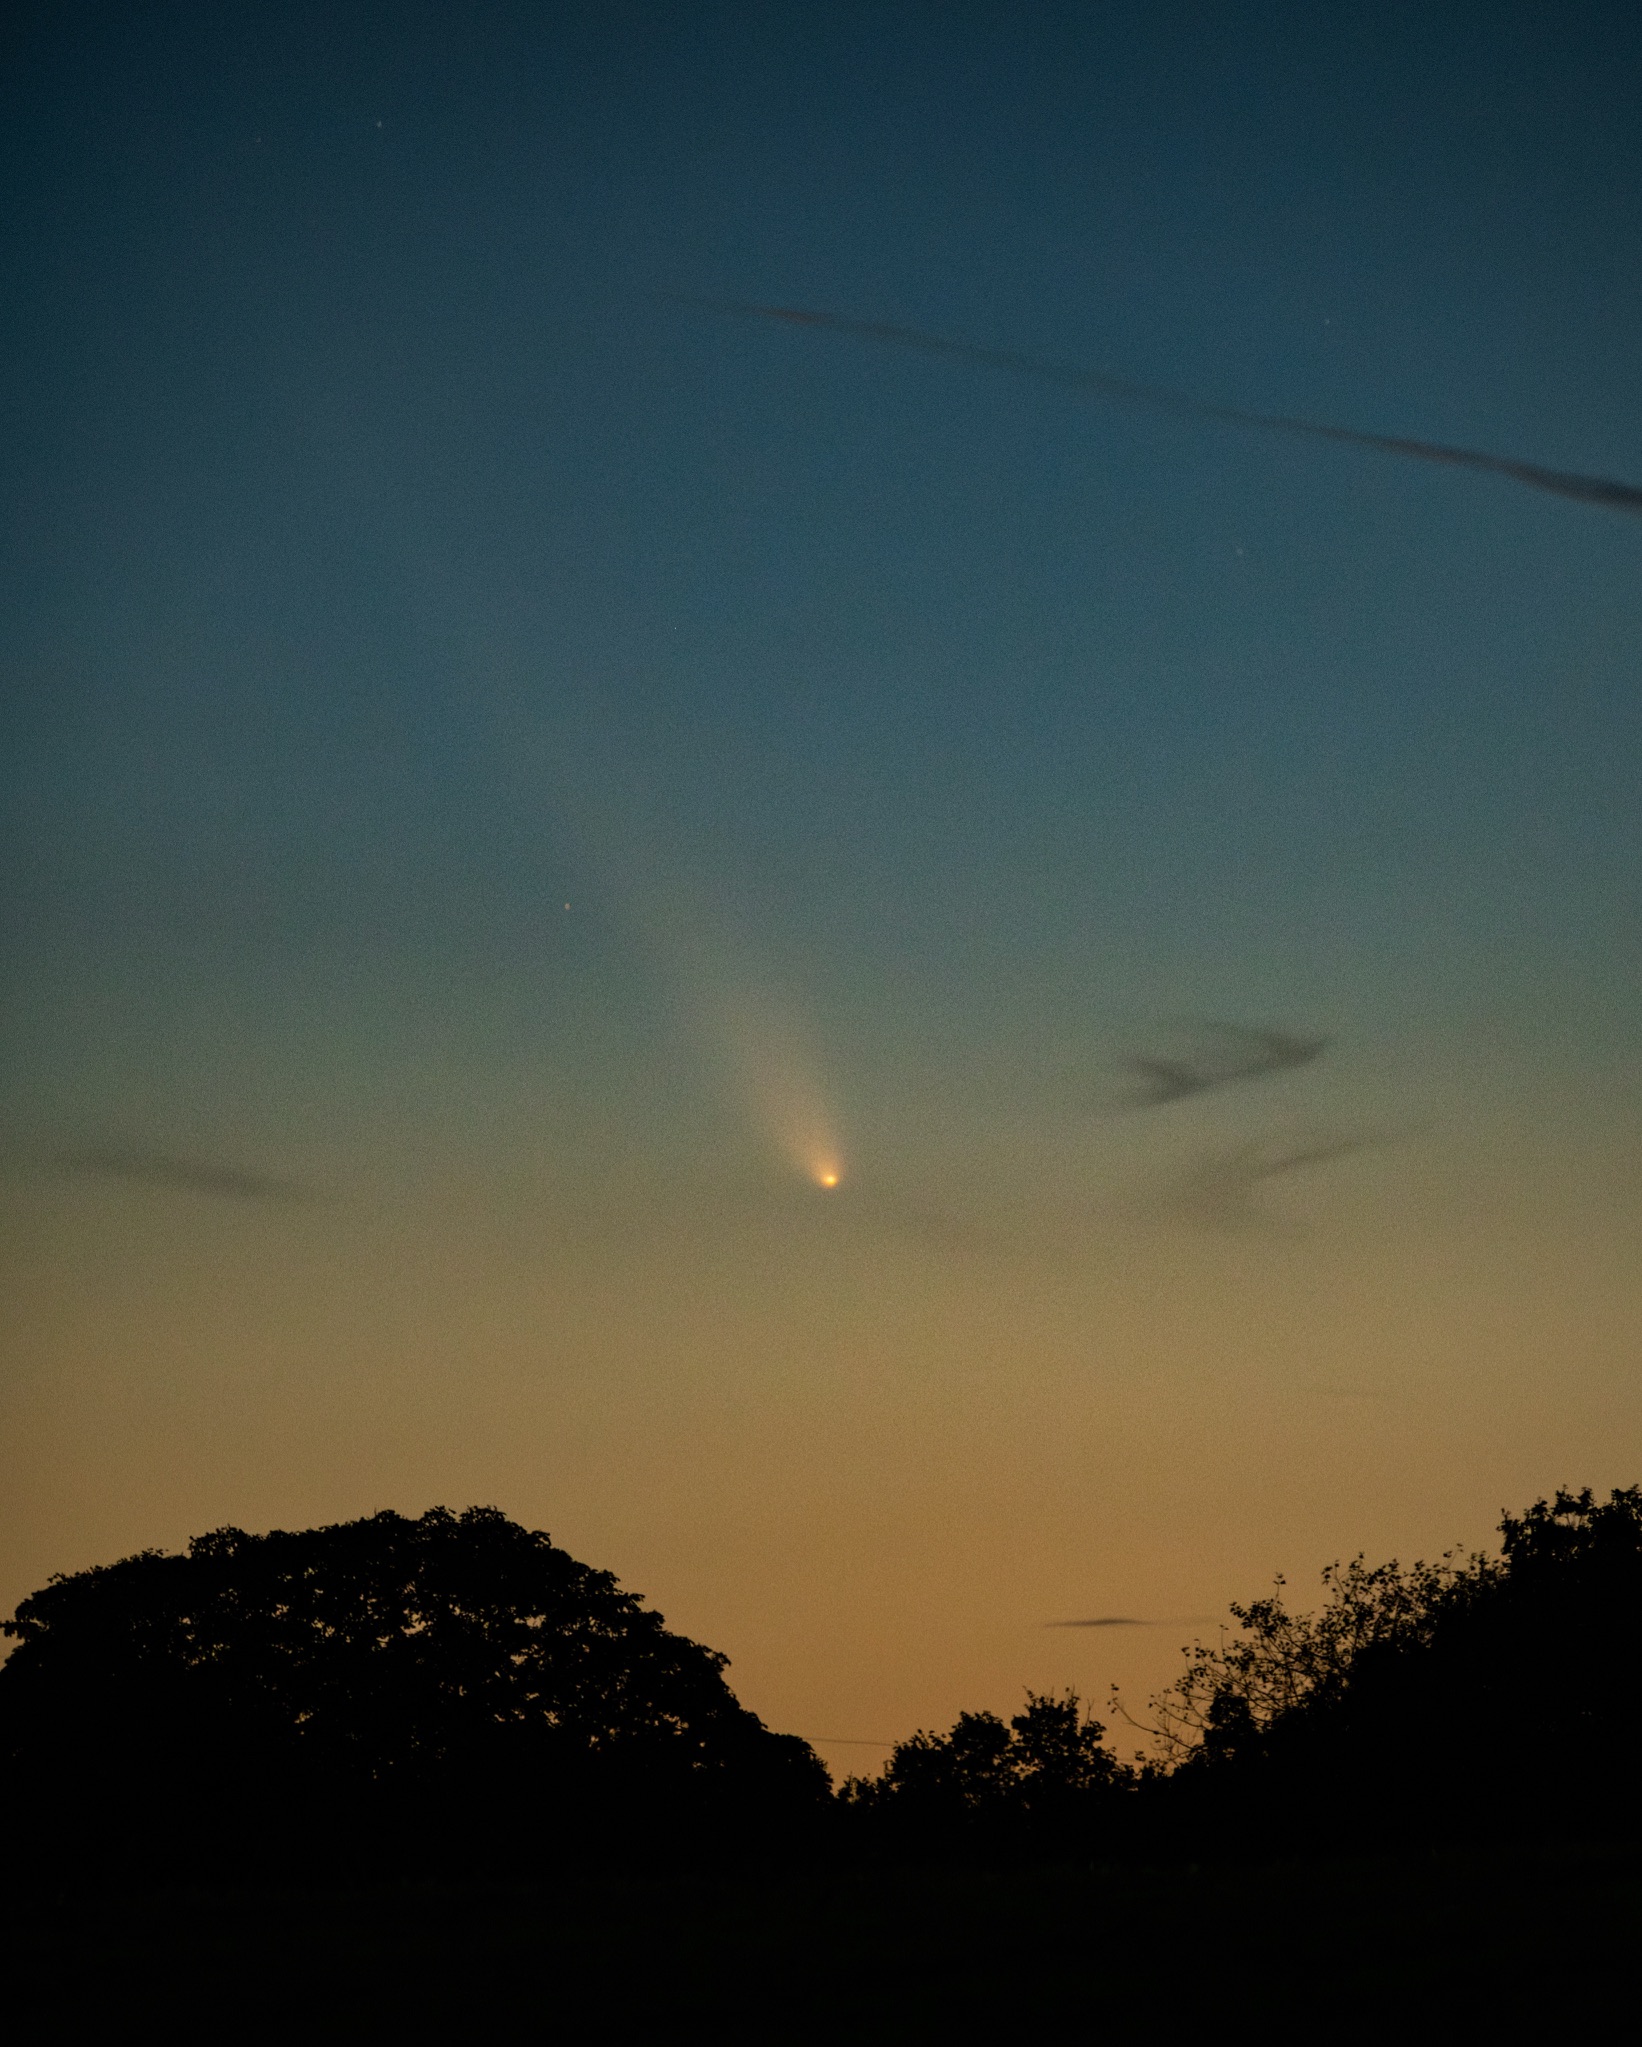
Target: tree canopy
1043 1782
453 1690
1475 1697
451 1675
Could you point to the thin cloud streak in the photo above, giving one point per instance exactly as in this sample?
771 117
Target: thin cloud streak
1607 492
167 1169
1219 1192
1224 1054
1118 1620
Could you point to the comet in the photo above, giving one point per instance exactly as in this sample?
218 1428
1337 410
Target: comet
1607 492
775 1069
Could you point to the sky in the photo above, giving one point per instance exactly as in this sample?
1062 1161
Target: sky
659 918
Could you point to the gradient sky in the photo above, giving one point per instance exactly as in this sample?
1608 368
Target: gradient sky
509 773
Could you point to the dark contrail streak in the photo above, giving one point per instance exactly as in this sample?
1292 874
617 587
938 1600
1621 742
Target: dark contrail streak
1220 1192
1590 490
1123 1620
1221 1054
166 1169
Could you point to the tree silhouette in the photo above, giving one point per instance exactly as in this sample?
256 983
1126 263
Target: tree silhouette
449 1684
1488 1698
1234 1691
1040 1784
454 1695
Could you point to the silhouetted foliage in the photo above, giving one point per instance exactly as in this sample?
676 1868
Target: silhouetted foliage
1487 1699
1043 1784
453 1696
452 1686
1234 1691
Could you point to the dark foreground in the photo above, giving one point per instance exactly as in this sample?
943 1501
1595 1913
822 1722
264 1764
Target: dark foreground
1522 1947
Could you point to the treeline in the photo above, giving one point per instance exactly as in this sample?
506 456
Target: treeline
1477 1700
450 1696
453 1696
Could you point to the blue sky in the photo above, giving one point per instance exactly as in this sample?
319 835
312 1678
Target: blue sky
396 555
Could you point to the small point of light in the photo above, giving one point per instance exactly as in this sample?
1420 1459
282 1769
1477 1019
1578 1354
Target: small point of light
827 1179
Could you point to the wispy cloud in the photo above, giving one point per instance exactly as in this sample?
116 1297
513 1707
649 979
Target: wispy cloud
1120 1620
1212 1055
1591 490
173 1171
1219 1192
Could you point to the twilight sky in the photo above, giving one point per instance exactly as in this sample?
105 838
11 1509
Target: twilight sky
513 776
